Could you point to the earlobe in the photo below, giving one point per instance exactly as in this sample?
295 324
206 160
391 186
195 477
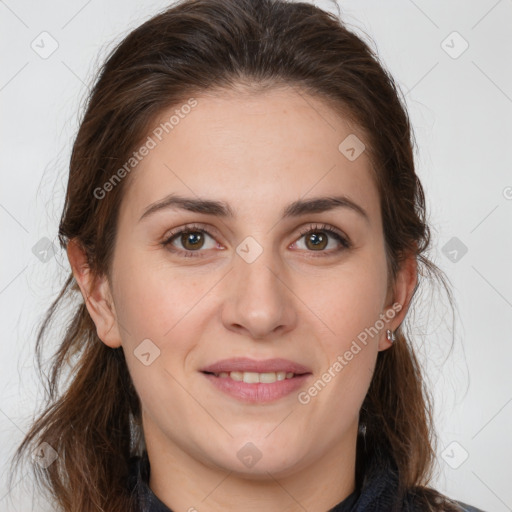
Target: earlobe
97 295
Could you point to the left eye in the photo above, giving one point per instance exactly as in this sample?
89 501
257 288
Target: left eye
318 238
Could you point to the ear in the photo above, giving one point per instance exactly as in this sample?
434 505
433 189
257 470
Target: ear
400 296
97 295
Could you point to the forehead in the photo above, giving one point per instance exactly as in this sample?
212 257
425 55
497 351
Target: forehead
251 150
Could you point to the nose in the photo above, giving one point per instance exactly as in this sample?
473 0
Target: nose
259 303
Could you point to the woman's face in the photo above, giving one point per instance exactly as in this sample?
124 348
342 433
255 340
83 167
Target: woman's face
252 284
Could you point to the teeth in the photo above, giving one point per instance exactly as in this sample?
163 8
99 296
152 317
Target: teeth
254 377
250 377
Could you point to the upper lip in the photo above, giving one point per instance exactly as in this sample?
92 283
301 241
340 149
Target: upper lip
244 364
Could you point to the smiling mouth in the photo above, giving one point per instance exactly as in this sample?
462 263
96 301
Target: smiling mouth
257 387
255 377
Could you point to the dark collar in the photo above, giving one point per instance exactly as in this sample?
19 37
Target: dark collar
378 492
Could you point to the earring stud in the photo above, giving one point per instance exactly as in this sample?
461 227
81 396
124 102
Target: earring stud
390 335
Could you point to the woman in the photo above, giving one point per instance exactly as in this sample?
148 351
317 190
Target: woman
245 231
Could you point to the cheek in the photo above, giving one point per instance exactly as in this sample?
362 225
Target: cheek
349 301
152 301
350 307
167 306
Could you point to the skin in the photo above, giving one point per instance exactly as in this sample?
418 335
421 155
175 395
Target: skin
258 153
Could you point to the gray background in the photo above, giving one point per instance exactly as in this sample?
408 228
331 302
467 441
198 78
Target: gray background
460 104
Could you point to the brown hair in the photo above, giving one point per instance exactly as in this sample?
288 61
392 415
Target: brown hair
192 47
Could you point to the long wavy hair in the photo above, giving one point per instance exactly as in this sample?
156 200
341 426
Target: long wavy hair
93 421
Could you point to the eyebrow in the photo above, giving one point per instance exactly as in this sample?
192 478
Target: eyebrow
222 209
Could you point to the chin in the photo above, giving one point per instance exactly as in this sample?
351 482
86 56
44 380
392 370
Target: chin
253 463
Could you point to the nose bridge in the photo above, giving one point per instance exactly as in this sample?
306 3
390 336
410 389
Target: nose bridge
260 301
258 277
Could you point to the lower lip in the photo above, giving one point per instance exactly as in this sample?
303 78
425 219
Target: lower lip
257 392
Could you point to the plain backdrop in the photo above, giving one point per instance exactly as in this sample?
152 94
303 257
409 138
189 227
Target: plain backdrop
452 61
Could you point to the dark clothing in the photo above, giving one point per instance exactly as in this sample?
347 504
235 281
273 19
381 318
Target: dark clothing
377 493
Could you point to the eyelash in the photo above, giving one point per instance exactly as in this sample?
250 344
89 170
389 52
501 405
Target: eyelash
313 228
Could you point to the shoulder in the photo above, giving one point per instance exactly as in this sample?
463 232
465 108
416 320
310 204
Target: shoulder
468 508
416 500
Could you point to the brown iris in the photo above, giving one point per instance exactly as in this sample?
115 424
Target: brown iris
318 239
192 240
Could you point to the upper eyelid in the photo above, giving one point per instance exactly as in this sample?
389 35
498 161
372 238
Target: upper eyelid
192 227
321 226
